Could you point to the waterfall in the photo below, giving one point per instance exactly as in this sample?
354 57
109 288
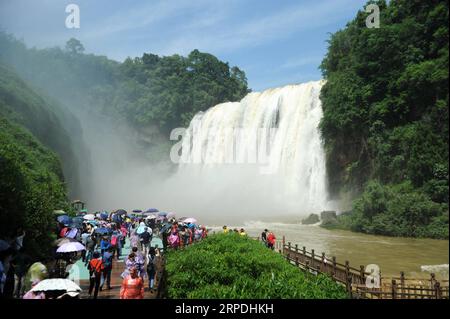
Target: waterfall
260 156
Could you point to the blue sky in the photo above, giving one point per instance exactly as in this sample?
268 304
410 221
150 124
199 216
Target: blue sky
274 42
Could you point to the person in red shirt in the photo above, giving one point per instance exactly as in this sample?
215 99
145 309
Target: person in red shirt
96 268
132 286
271 240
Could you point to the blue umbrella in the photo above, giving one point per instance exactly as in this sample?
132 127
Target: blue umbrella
104 215
77 222
117 218
103 231
162 214
121 212
64 219
165 227
137 211
152 210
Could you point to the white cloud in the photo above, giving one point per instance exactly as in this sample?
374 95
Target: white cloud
280 24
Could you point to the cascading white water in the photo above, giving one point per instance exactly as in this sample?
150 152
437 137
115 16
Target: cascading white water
260 156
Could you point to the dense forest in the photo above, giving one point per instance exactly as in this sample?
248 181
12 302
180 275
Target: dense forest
385 122
149 90
32 182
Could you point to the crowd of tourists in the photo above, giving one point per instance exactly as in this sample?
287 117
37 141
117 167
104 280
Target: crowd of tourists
95 241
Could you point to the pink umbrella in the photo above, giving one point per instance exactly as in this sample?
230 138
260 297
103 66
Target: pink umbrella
190 221
170 215
70 247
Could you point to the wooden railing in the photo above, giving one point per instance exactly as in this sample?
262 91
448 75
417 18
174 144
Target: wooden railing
359 283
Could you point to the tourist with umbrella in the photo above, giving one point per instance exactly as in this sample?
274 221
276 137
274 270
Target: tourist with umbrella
56 287
91 242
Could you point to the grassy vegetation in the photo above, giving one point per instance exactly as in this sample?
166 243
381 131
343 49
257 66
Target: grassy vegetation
232 266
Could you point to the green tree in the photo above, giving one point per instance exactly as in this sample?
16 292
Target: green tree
74 46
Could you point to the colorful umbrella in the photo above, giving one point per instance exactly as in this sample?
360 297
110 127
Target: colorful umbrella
89 217
64 219
121 212
72 233
56 284
77 222
103 231
70 247
190 221
104 215
170 215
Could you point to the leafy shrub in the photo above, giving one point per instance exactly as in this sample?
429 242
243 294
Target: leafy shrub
398 210
232 266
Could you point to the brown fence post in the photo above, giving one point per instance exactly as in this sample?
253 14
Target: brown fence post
334 266
349 285
394 289
347 269
402 282
362 273
296 248
296 261
312 258
284 241
289 246
437 289
307 265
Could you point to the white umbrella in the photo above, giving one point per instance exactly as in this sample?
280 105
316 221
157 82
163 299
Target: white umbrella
56 284
70 247
89 217
190 221
151 217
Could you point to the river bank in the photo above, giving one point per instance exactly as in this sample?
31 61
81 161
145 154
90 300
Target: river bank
416 257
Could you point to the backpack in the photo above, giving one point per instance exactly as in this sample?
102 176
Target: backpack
114 240
173 240
107 261
151 264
